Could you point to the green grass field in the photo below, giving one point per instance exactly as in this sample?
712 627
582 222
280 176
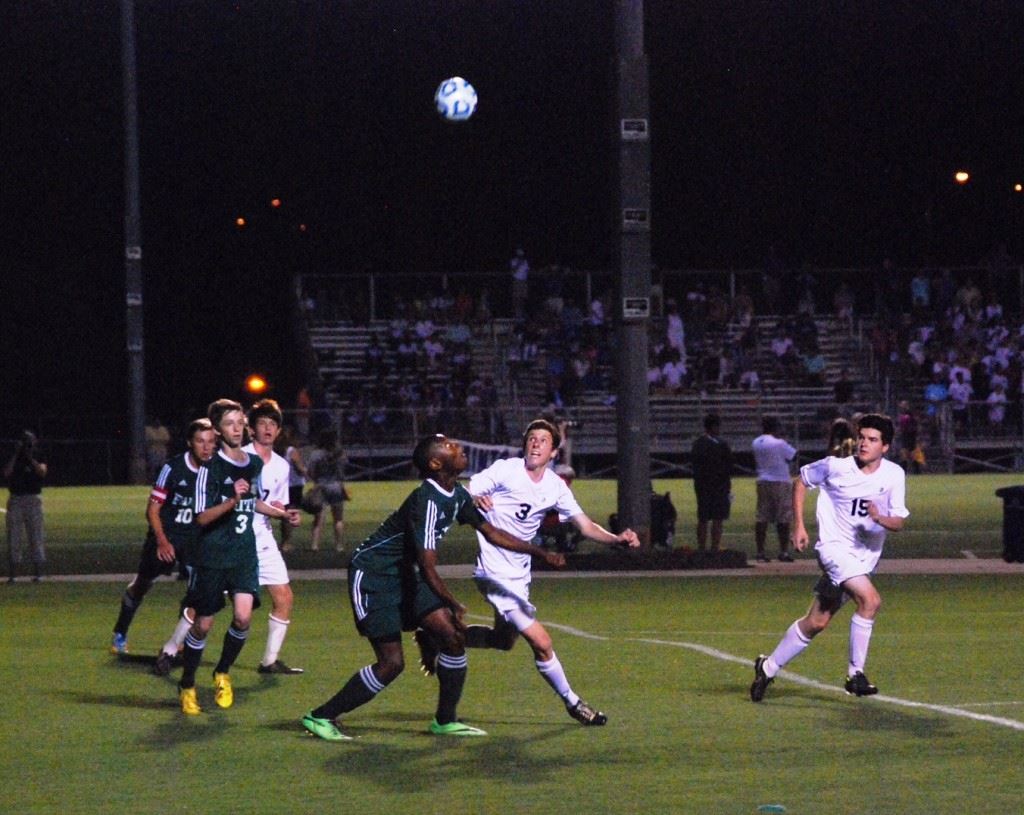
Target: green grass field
667 658
86 733
100 529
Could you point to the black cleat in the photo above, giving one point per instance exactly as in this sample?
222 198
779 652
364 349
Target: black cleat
858 685
164 663
785 557
763 558
428 651
761 680
278 667
586 715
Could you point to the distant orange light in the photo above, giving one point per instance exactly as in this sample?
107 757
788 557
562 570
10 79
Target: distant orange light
275 202
962 177
302 227
240 222
255 384
1018 187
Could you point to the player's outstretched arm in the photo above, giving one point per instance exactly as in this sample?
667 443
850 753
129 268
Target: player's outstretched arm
593 530
799 536
503 540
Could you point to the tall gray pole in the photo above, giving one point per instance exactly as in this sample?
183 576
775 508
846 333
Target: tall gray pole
133 248
633 228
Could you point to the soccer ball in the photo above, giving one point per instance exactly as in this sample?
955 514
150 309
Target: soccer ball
455 99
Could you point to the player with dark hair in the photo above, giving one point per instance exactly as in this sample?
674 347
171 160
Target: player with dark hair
862 498
516 494
171 537
227 500
394 586
265 421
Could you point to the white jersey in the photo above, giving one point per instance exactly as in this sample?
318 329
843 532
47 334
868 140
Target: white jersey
842 510
274 482
771 457
520 504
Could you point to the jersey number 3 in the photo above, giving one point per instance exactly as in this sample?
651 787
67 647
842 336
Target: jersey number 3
524 512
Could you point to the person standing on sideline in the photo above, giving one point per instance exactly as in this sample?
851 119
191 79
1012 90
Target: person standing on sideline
25 474
712 468
227 499
516 494
862 498
327 468
265 421
394 586
297 475
772 455
170 539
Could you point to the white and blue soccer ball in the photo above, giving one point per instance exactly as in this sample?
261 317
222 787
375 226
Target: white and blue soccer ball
455 99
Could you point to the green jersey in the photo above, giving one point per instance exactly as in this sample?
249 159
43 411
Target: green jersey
175 492
230 540
420 523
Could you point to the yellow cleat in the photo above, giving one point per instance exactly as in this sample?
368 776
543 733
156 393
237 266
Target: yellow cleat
189 703
223 694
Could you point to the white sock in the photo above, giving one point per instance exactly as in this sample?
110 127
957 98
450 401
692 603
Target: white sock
555 677
177 640
860 638
790 646
276 632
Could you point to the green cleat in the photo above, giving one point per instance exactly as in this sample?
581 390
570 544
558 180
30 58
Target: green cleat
324 728
455 729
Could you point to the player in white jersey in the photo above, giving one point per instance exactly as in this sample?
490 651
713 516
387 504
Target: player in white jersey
514 495
265 421
861 499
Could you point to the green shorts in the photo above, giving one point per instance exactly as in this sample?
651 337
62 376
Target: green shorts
207 586
385 606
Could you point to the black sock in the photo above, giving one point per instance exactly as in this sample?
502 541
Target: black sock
129 605
451 677
233 642
483 636
360 689
193 656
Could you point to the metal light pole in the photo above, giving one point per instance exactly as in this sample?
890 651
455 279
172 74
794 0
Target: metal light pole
634 258
133 248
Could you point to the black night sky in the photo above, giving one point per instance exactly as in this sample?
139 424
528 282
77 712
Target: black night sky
828 129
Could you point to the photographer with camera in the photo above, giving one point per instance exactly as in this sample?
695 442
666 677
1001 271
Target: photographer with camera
24 474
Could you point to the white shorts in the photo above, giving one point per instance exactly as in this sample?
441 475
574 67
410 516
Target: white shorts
840 562
510 598
273 572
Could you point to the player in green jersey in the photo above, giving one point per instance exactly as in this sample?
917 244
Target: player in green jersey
171 517
226 560
394 586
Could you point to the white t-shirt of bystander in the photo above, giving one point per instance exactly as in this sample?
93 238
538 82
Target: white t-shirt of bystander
771 457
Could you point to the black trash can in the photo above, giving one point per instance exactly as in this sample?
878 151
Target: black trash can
1013 523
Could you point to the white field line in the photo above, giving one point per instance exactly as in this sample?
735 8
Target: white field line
813 683
800 680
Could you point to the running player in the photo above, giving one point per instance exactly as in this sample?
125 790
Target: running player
862 498
227 490
265 421
172 531
516 494
394 586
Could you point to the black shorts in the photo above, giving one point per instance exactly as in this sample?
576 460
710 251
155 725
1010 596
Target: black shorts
151 567
295 497
712 505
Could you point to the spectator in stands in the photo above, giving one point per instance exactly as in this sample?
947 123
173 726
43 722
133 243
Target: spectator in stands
519 267
969 299
749 380
675 332
784 352
843 389
407 353
935 395
711 460
960 395
996 402
906 426
743 308
814 366
920 292
375 359
844 302
674 371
